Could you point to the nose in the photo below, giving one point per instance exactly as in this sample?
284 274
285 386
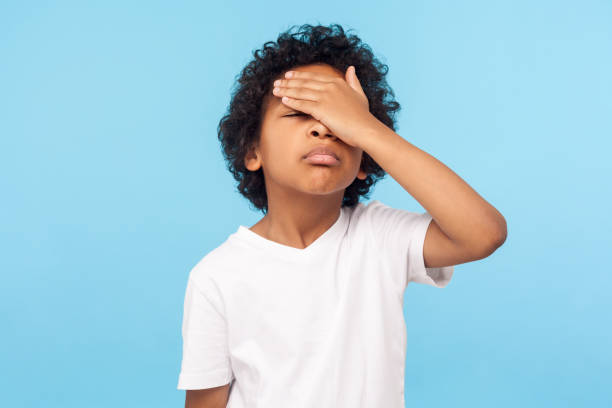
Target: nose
320 129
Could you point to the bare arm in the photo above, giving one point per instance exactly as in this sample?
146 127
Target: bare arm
207 398
465 226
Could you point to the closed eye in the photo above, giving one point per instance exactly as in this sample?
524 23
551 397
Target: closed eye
297 114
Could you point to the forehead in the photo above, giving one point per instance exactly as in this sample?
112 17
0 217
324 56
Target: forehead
273 103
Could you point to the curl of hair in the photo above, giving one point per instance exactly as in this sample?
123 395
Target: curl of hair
239 129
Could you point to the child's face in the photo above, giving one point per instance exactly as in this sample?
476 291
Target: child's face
285 140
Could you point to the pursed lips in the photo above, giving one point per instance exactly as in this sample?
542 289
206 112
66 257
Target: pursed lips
322 150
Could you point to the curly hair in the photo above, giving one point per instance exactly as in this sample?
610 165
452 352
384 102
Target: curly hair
239 129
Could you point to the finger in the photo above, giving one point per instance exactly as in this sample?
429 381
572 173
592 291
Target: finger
298 93
317 76
301 105
305 83
354 81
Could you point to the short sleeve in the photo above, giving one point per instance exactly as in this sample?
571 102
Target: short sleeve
400 235
205 362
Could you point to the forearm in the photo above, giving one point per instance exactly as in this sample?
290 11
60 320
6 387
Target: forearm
463 215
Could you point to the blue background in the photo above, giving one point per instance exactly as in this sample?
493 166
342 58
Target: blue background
113 187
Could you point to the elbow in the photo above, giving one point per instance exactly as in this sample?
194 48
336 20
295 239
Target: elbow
496 238
502 233
499 241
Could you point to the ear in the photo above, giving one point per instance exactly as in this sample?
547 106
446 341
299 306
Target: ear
362 175
252 160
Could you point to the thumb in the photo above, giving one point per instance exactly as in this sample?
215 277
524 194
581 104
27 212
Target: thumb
352 80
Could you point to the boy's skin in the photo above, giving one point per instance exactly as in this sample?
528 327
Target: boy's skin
304 199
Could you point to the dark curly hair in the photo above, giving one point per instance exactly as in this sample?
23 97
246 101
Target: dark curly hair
239 129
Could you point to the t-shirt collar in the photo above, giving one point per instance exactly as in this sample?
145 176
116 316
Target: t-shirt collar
337 229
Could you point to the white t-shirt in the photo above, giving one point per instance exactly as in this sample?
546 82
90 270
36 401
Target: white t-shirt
318 327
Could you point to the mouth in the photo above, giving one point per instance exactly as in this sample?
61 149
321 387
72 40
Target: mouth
322 154
318 158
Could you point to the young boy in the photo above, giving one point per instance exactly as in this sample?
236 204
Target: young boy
304 308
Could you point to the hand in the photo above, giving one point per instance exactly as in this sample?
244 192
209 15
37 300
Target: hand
339 104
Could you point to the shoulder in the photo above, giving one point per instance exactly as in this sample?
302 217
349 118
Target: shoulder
217 263
362 210
367 219
376 212
373 207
